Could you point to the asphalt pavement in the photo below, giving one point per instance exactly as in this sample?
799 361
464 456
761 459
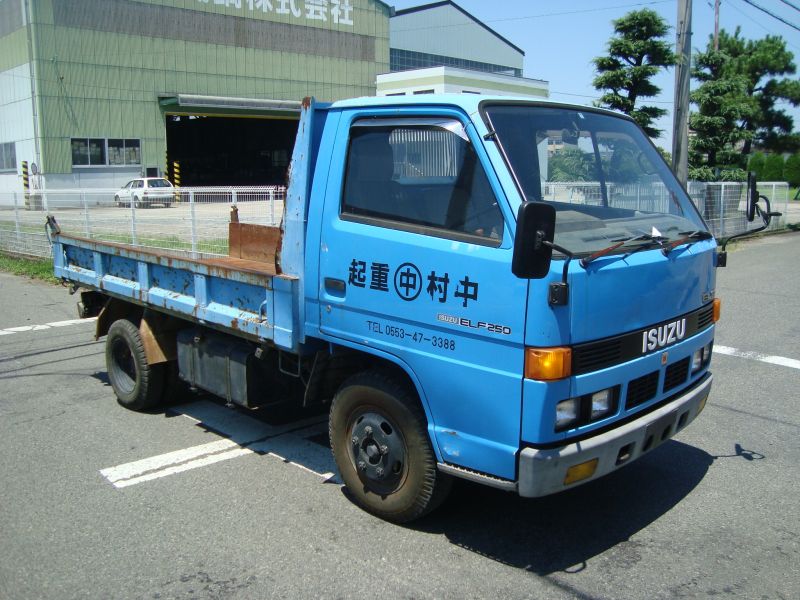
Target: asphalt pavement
202 501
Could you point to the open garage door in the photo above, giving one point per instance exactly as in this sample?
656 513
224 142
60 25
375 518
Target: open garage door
223 141
230 151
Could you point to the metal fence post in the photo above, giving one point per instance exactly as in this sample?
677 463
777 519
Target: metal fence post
721 209
87 229
272 206
16 223
132 204
233 197
193 223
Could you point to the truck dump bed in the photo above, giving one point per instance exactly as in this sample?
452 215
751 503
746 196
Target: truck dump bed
236 294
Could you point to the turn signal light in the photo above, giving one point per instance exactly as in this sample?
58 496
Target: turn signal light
548 364
717 309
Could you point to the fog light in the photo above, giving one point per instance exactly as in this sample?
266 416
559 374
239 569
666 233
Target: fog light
602 403
567 412
581 471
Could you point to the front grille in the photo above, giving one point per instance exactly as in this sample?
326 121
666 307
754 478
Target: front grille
641 390
592 358
600 354
676 374
705 317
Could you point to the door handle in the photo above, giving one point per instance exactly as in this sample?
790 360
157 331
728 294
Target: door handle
335 287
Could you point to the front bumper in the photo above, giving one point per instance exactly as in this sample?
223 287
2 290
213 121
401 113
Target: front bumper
542 472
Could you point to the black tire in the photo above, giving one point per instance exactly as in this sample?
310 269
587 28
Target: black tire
136 202
138 386
119 204
380 443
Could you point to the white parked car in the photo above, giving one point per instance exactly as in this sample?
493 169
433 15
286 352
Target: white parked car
146 191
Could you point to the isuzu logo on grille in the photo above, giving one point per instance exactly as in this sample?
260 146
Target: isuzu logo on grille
663 335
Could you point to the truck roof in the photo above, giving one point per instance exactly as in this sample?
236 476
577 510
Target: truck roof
468 102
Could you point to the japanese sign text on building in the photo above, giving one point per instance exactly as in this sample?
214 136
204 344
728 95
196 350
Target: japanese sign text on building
338 12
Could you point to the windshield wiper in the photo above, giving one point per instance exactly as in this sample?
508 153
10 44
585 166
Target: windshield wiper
687 237
651 240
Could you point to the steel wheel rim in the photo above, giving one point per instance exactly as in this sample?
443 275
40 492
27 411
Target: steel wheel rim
378 451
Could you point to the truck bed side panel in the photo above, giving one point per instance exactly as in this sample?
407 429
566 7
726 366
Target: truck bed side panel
239 296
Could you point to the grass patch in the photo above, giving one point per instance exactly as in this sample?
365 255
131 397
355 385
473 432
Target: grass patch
793 194
41 269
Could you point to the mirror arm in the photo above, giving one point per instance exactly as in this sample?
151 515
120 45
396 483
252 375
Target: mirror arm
558 294
766 217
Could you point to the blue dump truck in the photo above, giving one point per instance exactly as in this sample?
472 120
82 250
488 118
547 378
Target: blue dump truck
514 292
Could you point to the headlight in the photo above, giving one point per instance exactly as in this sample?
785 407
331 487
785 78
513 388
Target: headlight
586 409
602 404
697 360
701 357
567 412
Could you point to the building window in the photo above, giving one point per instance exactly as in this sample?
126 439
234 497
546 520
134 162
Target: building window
8 157
424 92
403 60
93 152
124 152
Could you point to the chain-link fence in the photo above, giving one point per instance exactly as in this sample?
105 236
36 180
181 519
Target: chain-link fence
196 219
722 204
186 219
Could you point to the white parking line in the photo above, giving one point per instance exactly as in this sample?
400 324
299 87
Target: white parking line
23 328
243 436
765 358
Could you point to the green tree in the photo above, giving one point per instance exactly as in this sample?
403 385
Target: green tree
791 170
723 105
756 164
773 168
764 66
636 53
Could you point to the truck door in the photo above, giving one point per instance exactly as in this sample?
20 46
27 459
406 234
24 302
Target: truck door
415 262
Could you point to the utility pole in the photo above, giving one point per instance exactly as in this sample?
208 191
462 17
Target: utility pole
680 112
716 25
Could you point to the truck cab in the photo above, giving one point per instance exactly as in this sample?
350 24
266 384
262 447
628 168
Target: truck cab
532 380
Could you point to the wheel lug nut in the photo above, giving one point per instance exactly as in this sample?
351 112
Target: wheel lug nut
368 431
362 465
384 449
355 441
379 471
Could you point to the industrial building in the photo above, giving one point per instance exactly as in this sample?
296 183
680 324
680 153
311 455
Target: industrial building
441 48
95 92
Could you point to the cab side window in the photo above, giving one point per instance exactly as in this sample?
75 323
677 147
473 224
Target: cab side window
424 177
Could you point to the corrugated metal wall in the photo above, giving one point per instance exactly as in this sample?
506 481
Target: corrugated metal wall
103 63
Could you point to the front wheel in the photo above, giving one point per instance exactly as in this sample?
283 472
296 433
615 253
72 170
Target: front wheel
380 443
137 385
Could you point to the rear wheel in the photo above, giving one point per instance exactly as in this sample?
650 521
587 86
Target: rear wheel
380 443
137 385
117 202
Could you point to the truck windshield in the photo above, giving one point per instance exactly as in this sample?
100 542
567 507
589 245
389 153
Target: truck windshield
605 180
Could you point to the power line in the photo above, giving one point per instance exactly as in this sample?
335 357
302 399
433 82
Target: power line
771 14
543 15
760 24
794 6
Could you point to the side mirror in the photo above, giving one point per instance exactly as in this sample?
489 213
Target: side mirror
752 196
536 224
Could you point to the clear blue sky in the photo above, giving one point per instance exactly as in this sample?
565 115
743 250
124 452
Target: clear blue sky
560 38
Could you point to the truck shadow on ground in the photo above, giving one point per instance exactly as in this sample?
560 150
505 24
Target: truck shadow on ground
561 533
